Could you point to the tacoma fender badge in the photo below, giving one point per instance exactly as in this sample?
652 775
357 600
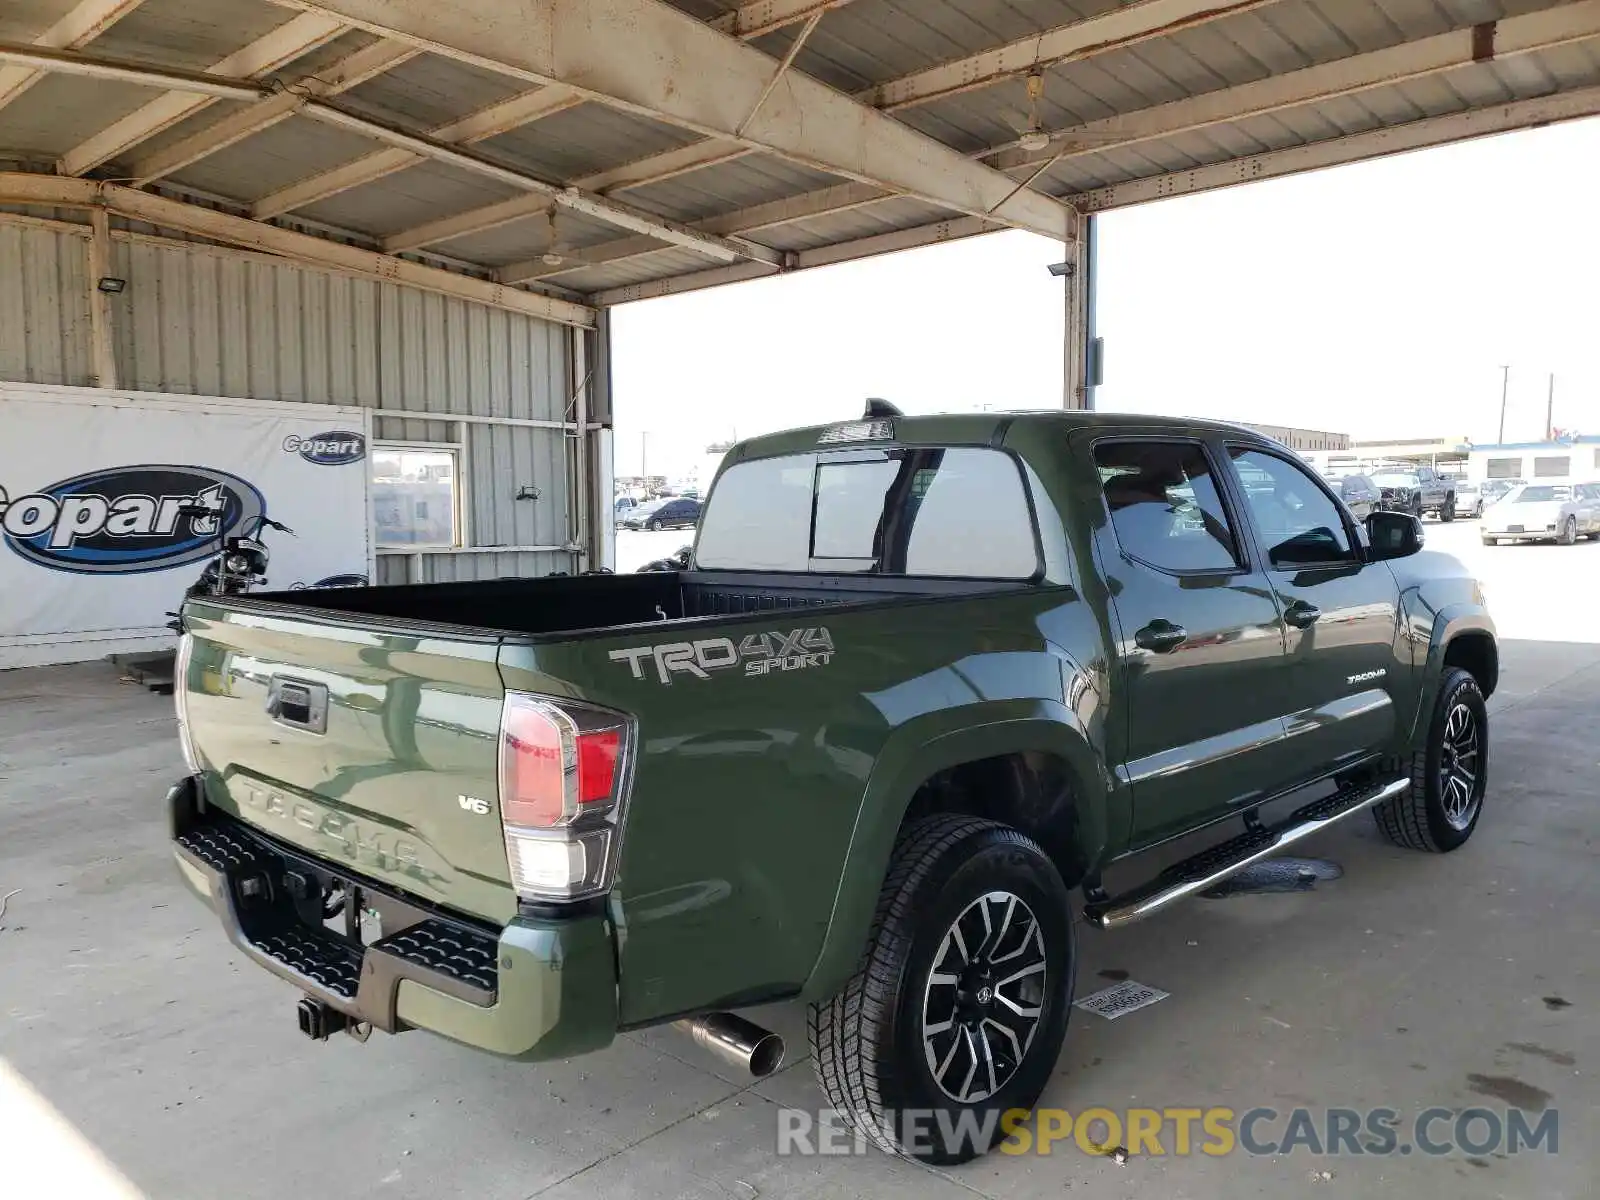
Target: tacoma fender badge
1367 676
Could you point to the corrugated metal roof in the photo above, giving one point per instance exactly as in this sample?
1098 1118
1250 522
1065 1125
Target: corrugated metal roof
858 44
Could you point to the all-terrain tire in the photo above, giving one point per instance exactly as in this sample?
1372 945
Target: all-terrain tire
868 1041
1419 818
1448 512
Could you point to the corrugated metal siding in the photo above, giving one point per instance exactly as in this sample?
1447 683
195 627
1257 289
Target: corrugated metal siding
199 320
44 306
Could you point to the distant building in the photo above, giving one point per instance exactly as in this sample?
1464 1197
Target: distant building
1574 458
1301 439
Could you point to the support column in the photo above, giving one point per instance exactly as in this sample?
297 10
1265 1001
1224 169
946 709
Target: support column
1081 349
580 487
102 350
598 448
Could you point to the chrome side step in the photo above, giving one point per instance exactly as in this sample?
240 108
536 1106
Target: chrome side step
1211 867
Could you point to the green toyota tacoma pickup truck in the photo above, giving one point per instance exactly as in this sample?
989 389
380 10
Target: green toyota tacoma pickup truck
924 678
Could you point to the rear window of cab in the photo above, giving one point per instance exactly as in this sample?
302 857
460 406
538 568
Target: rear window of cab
960 512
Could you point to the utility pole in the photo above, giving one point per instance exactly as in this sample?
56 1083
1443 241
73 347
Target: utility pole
644 453
1550 411
1505 381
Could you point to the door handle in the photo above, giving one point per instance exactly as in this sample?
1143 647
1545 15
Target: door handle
1161 636
1301 615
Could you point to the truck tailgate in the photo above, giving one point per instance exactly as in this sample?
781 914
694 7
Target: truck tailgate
371 749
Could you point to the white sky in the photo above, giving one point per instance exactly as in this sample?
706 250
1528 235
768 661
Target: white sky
1377 299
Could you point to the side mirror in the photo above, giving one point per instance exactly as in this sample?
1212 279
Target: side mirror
1393 535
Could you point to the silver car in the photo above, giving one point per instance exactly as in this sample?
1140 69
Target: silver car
1544 512
1469 500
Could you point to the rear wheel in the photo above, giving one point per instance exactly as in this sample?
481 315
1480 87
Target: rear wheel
653 525
1448 512
1569 532
959 1005
1449 773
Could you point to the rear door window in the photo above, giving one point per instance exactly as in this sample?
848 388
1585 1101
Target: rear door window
1165 507
960 512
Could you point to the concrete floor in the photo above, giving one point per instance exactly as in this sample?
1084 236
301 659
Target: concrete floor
132 1029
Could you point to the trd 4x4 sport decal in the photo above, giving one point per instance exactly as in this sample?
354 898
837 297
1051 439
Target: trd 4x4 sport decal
759 653
127 520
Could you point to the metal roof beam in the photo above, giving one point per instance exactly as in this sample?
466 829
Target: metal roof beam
646 57
261 57
615 212
1115 30
841 198
1067 43
1355 147
87 21
1326 81
1491 42
488 122
821 256
763 16
750 21
348 72
20 188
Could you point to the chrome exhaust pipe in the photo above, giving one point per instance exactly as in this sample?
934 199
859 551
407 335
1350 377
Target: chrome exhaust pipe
740 1042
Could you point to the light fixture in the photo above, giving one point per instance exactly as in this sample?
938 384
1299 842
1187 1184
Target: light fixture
1061 270
111 284
528 492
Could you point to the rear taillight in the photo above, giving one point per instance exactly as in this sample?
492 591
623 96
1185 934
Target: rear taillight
563 773
180 696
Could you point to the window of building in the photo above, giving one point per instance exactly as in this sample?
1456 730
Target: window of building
1300 524
1553 466
1505 468
1165 506
416 498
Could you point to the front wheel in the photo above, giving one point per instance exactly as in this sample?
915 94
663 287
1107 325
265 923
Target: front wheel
1449 773
957 1010
1569 532
1448 512
653 526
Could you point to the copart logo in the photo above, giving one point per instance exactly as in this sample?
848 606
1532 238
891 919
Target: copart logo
336 448
128 520
758 653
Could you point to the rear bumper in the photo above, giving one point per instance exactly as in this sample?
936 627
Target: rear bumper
536 989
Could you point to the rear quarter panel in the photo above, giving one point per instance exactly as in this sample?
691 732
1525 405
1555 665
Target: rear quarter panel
752 791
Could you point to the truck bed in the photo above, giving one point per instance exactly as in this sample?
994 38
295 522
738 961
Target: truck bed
574 605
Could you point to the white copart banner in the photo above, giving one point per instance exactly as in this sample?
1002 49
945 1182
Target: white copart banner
93 553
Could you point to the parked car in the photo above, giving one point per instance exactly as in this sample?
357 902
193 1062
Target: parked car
624 505
678 560
925 677
1544 512
1416 490
1494 490
674 512
1359 493
1469 499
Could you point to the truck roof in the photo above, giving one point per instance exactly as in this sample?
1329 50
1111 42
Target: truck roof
978 429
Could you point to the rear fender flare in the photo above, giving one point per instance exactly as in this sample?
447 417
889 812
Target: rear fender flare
916 752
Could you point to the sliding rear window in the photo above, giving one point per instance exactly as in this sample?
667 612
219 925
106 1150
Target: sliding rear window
948 513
